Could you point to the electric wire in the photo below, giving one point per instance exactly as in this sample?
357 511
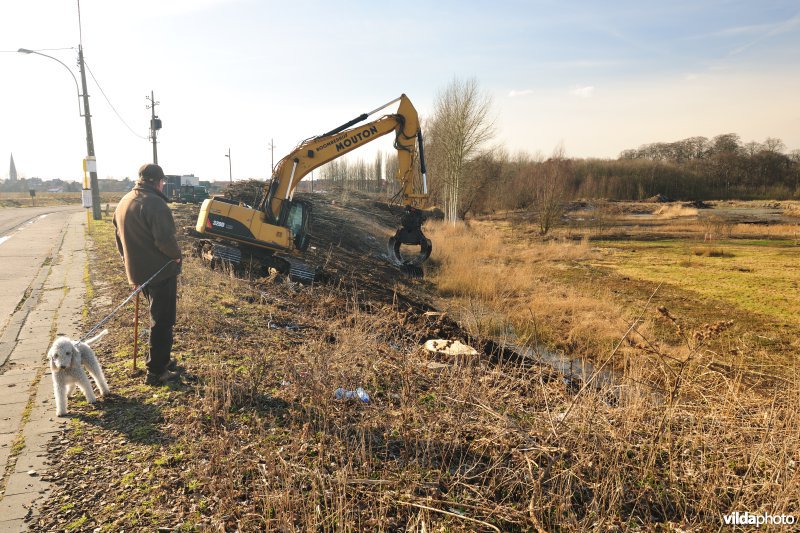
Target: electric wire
109 102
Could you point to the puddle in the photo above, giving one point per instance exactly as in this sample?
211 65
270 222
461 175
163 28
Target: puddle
576 371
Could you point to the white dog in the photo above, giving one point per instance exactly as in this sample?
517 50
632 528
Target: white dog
67 359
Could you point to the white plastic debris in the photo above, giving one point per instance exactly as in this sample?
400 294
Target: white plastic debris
359 394
448 347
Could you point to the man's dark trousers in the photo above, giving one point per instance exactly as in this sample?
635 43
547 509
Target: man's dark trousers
162 297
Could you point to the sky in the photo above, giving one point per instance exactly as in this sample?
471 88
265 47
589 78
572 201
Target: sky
597 77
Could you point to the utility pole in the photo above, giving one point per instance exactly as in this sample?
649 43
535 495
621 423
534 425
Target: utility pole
155 124
230 172
96 214
271 147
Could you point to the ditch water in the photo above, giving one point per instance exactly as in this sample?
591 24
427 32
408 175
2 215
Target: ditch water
576 371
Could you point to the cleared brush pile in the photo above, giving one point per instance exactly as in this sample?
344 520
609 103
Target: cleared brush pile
255 440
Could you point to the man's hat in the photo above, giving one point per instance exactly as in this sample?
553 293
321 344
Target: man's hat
151 173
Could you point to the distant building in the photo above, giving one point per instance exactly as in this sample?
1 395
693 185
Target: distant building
190 179
12 171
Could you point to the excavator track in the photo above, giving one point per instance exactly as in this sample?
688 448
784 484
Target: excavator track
243 259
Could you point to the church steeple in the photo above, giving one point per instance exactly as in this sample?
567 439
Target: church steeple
12 171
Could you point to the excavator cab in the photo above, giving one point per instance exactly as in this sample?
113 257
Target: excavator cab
298 219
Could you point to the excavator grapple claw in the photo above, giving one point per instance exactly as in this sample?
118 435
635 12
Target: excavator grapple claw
410 235
399 244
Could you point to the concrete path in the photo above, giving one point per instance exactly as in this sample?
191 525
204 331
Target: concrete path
52 302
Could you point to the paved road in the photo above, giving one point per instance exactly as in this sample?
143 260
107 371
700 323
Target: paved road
27 238
42 290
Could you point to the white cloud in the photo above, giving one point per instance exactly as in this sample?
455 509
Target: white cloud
524 92
774 28
582 92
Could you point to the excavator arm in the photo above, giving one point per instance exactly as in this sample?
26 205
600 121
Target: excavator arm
281 225
324 148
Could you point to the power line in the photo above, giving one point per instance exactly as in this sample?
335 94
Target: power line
109 102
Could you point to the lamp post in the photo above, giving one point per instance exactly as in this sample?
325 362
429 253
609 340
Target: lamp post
96 214
230 173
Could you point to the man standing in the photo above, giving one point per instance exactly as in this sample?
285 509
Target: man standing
146 241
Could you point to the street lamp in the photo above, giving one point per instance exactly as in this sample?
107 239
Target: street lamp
77 90
96 214
230 173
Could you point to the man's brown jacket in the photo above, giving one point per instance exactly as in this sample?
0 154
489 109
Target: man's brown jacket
146 234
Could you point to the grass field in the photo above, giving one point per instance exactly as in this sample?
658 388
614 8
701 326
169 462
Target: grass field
698 318
701 421
754 276
578 289
44 199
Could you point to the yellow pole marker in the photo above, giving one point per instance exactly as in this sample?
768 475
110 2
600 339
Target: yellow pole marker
86 195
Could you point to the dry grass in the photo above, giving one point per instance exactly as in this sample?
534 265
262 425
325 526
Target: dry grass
710 251
46 199
708 437
675 211
495 443
791 209
485 274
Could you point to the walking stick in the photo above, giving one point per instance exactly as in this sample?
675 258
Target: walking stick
135 331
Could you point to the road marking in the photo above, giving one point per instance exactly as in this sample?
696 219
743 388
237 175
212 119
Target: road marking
28 223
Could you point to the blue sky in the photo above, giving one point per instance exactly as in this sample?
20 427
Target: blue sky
598 77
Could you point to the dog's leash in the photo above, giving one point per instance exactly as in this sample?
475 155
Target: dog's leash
128 299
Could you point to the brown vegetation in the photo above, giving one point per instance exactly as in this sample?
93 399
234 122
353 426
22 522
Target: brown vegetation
256 441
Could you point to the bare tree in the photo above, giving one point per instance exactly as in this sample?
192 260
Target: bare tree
377 172
551 188
457 133
390 169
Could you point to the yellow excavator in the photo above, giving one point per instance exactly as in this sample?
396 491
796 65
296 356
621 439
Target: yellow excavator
275 231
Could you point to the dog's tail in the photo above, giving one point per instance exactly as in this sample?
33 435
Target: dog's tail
97 337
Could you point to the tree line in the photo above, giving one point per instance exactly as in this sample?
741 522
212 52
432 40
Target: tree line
23 185
359 175
469 175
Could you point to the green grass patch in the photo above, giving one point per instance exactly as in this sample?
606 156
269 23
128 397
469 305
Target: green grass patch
756 276
18 445
74 450
77 524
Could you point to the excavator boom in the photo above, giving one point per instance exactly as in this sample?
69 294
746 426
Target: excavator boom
324 148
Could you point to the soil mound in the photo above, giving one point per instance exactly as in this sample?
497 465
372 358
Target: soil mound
658 199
